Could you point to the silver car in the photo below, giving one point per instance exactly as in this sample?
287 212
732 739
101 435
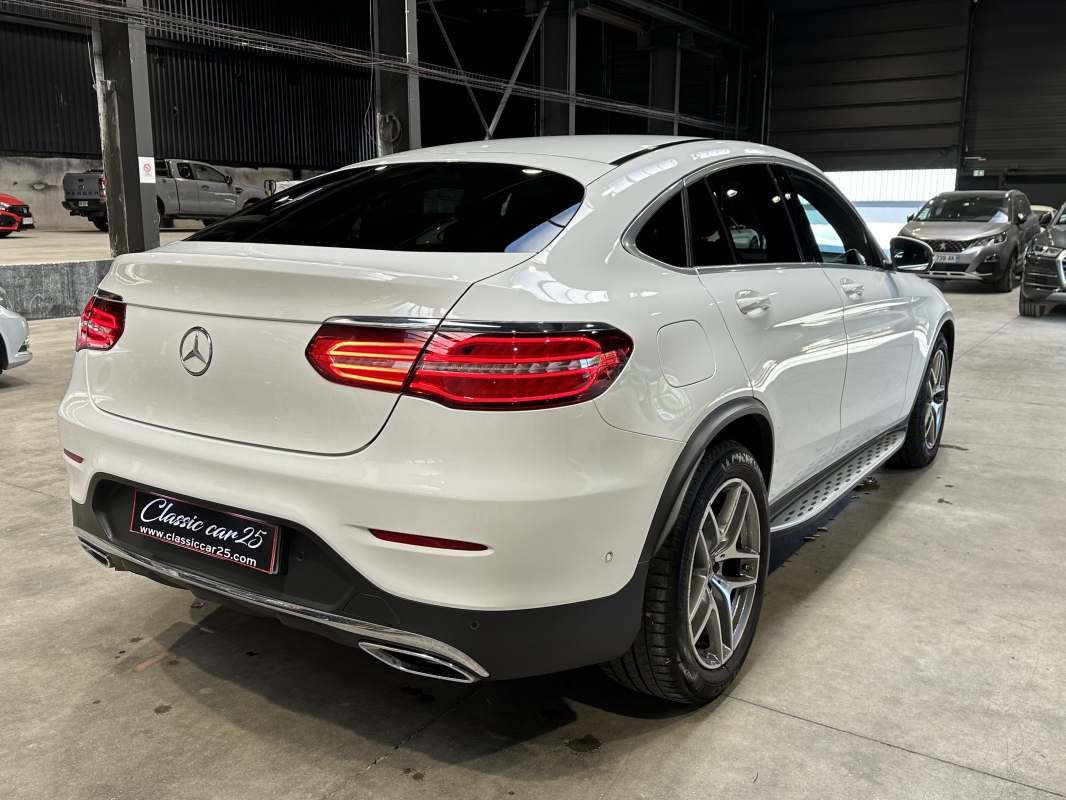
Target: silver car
976 236
14 336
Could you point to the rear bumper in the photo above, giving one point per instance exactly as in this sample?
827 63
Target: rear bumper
92 208
563 501
483 644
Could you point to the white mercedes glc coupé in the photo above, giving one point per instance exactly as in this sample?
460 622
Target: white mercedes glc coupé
504 408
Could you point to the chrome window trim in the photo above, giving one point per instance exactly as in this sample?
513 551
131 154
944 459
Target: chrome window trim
630 235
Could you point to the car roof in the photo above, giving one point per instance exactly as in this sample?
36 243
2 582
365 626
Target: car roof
589 157
604 149
979 193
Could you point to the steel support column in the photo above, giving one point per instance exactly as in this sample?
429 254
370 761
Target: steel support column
120 62
663 83
558 67
395 30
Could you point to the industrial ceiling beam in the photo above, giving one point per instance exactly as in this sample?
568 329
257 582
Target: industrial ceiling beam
609 17
216 33
665 13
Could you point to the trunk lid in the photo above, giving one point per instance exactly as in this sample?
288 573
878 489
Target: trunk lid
82 185
261 305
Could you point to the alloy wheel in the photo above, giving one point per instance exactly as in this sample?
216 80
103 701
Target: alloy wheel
936 391
724 574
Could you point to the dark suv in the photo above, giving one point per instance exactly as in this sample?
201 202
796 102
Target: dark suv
976 236
1043 280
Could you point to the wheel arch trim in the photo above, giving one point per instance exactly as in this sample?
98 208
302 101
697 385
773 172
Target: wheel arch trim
677 484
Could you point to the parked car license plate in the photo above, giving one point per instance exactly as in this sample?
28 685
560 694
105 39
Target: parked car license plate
83 204
231 537
27 220
952 258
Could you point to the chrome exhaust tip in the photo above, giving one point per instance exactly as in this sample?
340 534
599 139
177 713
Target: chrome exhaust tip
99 556
419 663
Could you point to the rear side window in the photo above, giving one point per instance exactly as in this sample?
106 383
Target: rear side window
663 236
432 207
185 171
754 214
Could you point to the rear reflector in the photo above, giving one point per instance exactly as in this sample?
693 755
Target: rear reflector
427 541
75 458
373 358
506 369
102 323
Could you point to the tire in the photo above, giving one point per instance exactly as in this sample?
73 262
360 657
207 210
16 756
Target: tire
1006 281
922 444
162 221
665 660
100 223
1027 308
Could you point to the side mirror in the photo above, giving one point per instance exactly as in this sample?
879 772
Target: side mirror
270 186
229 180
910 217
1045 218
910 255
1020 218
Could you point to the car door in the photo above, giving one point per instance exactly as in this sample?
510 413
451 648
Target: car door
217 197
785 317
878 317
188 191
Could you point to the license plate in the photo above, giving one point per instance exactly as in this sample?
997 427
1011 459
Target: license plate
27 220
243 540
951 258
83 204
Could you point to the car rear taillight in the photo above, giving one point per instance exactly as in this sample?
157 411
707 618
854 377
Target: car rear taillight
519 369
103 190
373 358
102 323
469 367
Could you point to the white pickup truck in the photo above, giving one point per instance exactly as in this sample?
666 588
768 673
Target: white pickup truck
184 190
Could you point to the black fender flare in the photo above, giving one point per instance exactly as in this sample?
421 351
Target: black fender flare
677 484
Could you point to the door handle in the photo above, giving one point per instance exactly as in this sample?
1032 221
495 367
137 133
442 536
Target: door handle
205 187
853 290
752 303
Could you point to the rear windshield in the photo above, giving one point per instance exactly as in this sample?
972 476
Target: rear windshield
434 207
965 209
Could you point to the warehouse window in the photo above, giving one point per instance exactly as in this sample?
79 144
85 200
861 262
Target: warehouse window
431 207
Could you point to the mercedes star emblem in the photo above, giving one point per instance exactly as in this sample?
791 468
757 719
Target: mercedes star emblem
195 351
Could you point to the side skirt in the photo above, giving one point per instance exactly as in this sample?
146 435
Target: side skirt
802 505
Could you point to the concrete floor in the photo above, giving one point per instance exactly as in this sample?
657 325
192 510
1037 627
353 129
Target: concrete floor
914 650
52 247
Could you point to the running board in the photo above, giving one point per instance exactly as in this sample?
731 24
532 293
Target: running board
838 482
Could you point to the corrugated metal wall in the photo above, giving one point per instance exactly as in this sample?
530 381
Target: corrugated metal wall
47 99
1016 114
217 104
228 108
869 85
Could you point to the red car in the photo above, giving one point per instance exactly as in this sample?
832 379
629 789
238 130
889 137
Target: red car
14 215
